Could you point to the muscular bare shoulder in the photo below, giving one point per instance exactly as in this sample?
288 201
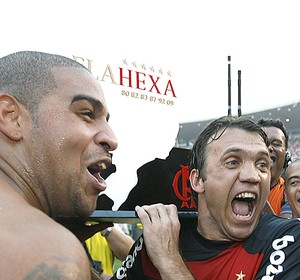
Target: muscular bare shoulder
33 246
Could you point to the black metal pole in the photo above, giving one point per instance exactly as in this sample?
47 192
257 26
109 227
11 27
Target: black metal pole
239 94
229 86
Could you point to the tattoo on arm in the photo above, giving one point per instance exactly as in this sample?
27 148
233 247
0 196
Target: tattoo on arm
58 268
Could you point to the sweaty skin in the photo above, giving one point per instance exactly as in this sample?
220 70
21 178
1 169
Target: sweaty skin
50 165
230 200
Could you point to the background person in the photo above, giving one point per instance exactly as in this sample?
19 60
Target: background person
105 246
292 187
278 138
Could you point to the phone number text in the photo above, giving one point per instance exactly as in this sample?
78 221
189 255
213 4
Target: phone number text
146 97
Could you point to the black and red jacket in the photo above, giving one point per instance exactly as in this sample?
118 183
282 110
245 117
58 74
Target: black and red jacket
271 252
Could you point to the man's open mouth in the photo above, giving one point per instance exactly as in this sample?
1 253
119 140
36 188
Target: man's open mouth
273 159
242 205
96 169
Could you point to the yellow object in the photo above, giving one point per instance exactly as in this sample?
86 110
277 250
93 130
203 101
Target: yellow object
139 225
100 251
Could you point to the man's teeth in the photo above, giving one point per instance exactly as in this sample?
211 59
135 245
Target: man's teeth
242 216
102 166
246 195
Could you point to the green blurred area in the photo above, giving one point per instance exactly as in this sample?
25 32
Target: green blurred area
117 264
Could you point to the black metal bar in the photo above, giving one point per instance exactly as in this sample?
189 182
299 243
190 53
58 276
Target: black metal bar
229 86
239 94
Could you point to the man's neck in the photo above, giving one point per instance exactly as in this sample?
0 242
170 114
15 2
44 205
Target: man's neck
19 183
274 182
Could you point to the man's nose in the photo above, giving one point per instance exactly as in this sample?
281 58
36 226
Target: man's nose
106 138
249 173
271 148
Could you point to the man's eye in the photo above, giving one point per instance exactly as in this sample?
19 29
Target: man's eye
277 144
294 183
231 163
88 114
262 166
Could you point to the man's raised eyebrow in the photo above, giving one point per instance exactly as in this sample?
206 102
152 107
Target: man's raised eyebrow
236 150
231 150
293 177
95 102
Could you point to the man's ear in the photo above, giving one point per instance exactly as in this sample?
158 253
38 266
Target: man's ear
196 181
10 117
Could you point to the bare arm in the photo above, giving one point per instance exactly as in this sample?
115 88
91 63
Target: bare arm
119 242
161 234
106 277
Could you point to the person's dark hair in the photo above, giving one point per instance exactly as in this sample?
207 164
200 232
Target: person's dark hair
27 75
267 122
297 160
214 131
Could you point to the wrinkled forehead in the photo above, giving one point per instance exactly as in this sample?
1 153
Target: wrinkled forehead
274 133
237 137
292 170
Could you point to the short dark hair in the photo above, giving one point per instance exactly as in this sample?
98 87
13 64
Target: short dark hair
27 75
297 160
268 122
210 133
